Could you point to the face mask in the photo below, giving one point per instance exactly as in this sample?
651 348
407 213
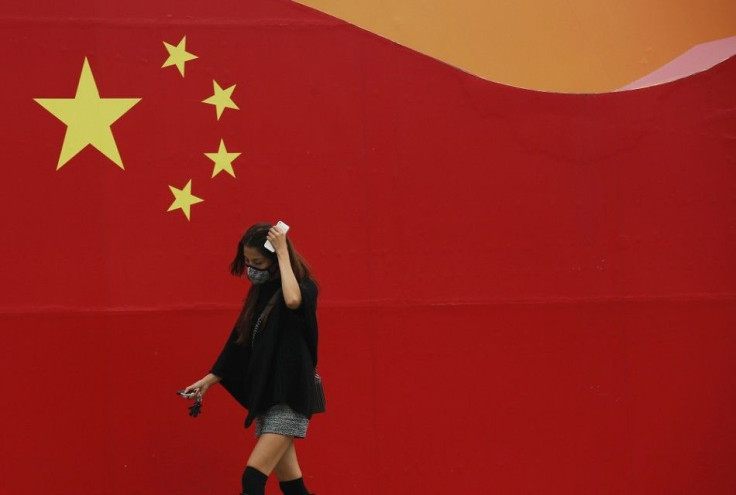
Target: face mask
258 276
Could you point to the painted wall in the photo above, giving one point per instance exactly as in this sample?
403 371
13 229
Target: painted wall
522 292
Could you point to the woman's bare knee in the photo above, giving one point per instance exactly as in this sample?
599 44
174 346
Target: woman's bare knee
287 468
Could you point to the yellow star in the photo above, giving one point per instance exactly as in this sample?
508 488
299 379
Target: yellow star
223 160
178 55
88 118
184 198
221 99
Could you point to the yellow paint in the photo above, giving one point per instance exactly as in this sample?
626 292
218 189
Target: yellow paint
221 99
571 46
88 119
223 160
184 199
178 55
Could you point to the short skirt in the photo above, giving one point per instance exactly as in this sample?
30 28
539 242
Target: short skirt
283 420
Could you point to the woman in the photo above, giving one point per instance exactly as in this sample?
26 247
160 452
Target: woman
270 371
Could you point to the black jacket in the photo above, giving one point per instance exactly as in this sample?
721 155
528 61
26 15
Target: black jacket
280 367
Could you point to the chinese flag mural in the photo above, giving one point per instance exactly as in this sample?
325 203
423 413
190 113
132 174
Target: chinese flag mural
521 291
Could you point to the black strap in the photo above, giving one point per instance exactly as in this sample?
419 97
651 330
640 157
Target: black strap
264 315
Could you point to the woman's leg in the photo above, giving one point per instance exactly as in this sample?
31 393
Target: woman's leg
289 474
287 468
266 454
269 449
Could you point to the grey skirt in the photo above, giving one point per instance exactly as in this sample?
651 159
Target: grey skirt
283 420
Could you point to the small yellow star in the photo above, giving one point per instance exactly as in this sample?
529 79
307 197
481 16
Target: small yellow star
88 118
178 55
184 198
223 160
221 99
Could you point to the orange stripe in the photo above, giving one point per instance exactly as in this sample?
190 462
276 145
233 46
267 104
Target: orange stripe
571 46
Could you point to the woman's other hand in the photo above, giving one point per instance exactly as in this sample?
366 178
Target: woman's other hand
202 384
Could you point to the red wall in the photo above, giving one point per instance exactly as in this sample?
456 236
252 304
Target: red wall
521 292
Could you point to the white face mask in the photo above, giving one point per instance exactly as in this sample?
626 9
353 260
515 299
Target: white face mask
257 276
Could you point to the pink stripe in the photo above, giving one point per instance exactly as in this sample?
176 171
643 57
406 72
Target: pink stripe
697 59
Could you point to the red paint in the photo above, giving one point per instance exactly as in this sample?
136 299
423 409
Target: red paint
428 203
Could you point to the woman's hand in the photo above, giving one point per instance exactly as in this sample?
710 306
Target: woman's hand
277 239
202 385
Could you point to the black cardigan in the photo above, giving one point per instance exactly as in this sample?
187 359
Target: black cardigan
280 368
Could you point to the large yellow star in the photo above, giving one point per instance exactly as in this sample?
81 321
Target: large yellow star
184 198
223 160
88 118
178 55
221 99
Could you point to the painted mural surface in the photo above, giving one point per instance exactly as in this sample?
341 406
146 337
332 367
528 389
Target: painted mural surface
527 288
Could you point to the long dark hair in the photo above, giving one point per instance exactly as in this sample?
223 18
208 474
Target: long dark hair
255 237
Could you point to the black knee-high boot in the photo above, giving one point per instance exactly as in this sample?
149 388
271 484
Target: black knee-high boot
254 481
294 487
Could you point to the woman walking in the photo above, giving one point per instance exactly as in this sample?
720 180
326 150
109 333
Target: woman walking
268 361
